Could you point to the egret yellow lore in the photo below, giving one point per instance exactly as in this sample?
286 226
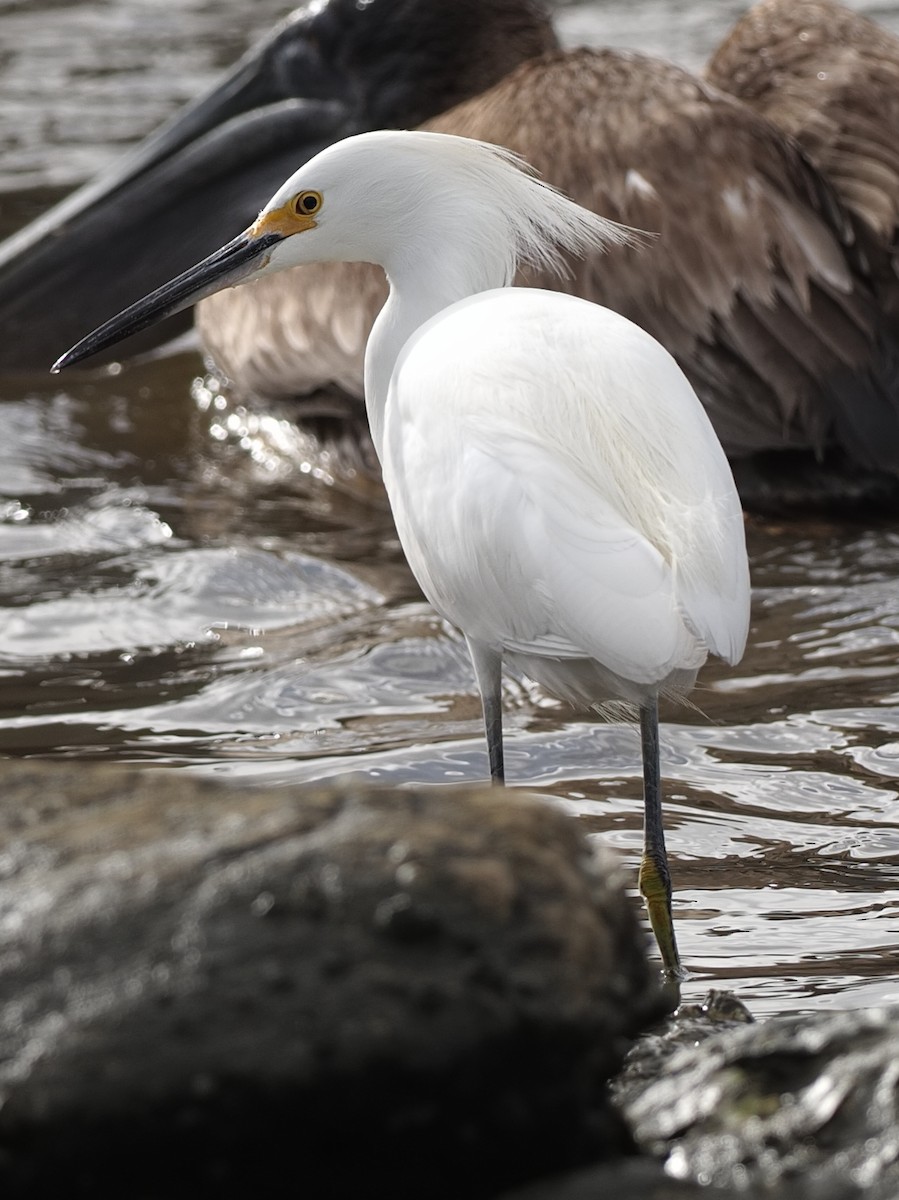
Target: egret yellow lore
557 487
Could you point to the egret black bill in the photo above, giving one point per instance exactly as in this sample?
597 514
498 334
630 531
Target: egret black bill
234 263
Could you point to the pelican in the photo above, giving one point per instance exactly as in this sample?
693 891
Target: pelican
328 69
777 299
556 484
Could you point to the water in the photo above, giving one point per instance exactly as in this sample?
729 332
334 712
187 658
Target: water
180 589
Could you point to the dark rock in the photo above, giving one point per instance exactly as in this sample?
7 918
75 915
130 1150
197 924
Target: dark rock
626 1179
802 1107
690 1025
350 992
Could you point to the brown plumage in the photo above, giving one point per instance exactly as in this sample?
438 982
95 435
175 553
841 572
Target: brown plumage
771 280
332 68
758 282
829 77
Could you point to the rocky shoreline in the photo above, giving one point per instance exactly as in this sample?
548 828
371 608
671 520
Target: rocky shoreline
441 992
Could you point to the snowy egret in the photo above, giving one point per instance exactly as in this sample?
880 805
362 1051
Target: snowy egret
777 303
557 487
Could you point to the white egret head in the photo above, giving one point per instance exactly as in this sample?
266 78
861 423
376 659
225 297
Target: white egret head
386 197
412 202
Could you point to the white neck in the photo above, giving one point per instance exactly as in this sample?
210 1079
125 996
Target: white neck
446 217
416 295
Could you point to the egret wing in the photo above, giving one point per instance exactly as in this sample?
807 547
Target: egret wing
559 491
557 574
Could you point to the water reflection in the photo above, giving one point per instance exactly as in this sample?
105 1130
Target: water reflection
179 588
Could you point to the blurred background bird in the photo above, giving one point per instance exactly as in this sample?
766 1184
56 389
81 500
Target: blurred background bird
557 487
772 280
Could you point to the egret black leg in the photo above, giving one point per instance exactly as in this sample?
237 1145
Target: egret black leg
488 672
655 880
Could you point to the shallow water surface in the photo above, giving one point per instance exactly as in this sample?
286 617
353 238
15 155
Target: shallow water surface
179 587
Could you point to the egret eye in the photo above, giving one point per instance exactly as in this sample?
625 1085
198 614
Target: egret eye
307 203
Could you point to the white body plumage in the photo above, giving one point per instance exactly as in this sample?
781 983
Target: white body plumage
562 498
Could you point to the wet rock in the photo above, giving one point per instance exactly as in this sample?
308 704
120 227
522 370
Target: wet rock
690 1025
803 1107
625 1179
350 992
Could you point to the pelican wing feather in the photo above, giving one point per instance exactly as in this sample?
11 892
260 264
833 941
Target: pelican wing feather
829 77
760 282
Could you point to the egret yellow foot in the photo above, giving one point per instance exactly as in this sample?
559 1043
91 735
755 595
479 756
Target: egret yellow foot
655 886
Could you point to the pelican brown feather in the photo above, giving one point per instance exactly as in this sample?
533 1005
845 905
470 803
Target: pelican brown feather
295 334
829 77
774 286
757 282
331 68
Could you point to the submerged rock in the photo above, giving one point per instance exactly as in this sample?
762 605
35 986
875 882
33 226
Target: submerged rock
801 1107
353 991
